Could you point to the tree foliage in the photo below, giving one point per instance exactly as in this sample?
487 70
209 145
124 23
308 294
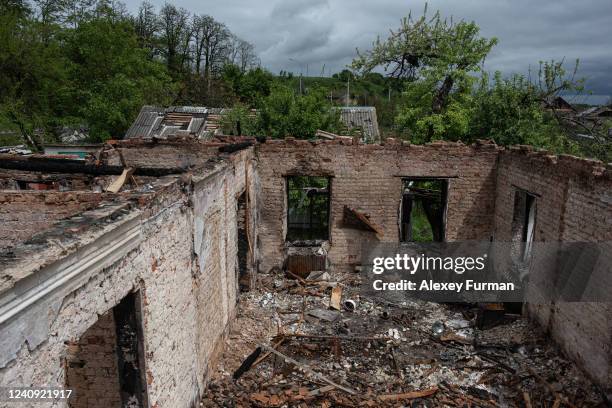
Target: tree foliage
282 113
446 96
285 113
89 64
436 58
112 76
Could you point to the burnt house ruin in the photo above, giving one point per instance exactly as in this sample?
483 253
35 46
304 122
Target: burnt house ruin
129 295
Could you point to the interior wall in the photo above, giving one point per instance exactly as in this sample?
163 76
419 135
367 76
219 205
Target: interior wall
573 198
91 366
368 178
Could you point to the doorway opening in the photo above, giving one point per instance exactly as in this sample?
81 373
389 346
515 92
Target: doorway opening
243 247
105 366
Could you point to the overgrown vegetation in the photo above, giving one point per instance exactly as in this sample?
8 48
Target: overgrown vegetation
88 64
446 96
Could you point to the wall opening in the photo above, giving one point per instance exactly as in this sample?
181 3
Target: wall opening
423 209
104 368
242 271
308 208
523 225
130 351
91 366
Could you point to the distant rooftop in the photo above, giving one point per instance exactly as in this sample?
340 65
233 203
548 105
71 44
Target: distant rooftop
361 117
158 122
205 123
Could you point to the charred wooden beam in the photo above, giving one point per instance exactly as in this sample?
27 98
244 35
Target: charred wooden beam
55 165
357 220
234 147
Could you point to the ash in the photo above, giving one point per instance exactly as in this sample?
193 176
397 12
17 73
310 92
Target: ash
419 354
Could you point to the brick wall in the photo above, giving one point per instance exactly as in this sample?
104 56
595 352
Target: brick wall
369 179
188 292
92 366
573 199
9 179
185 266
162 154
25 213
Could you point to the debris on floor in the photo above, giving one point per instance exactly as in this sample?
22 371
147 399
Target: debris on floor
292 347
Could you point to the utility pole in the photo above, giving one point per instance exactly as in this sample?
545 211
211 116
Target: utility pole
389 93
301 71
348 91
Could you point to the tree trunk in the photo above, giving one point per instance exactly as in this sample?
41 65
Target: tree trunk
29 139
439 102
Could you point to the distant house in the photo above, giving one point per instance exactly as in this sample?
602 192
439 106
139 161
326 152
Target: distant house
79 151
204 123
361 119
596 112
559 104
157 122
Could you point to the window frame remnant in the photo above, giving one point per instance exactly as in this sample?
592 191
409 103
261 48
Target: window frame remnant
317 226
524 216
407 208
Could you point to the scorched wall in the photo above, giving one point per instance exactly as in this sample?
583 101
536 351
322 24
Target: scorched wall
176 247
369 179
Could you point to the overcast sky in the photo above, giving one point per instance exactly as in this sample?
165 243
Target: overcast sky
288 34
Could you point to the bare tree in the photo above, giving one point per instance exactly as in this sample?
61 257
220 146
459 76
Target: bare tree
241 53
210 45
146 25
175 36
50 11
233 49
78 11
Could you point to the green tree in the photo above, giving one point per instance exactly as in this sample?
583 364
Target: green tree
240 121
283 113
113 76
436 58
249 87
33 79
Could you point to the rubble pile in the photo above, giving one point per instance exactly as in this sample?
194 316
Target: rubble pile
317 342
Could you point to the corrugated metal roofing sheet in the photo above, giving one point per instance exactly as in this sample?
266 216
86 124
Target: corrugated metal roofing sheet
154 121
363 117
144 122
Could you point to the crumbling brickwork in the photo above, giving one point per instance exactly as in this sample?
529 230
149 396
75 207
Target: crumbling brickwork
176 242
369 179
188 293
573 204
162 154
25 213
91 365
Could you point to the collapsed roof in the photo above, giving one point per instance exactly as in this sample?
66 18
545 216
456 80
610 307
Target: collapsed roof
157 122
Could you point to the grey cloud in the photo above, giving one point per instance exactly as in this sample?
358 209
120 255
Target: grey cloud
291 9
318 32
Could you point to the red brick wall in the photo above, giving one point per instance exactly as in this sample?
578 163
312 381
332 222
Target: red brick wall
91 366
573 204
24 213
368 178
